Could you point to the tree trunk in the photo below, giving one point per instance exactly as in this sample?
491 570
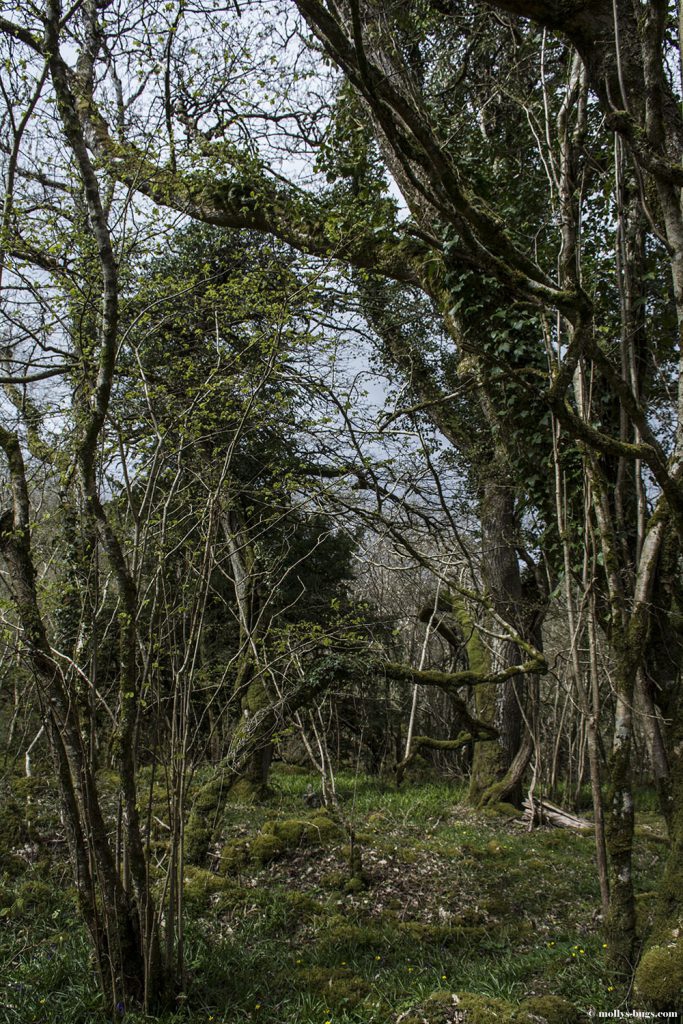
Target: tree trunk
111 916
659 977
499 705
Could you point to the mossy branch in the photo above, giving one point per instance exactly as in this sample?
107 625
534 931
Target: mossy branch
451 682
427 742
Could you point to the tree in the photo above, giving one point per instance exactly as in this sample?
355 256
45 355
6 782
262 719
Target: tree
599 81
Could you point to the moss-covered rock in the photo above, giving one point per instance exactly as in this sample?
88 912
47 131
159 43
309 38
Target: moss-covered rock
659 977
201 886
245 791
468 916
265 848
476 1009
24 900
500 810
551 1009
318 830
446 1007
33 893
289 832
339 986
235 857
278 838
495 906
342 936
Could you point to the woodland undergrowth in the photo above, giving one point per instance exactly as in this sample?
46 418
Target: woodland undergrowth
451 914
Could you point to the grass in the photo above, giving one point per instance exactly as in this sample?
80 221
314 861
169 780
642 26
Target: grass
455 901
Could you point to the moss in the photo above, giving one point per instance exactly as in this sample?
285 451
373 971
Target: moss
357 878
203 817
33 893
404 856
471 849
13 830
265 848
12 865
288 832
355 884
200 886
501 810
245 791
442 935
365 837
334 880
486 1009
315 831
646 907
26 899
487 761
339 934
552 1009
468 916
659 977
445 1007
356 862
277 838
322 830
340 988
234 856
302 905
494 848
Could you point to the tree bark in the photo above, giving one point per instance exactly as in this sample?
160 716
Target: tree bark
501 705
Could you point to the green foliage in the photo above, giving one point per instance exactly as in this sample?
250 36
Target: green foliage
275 935
512 364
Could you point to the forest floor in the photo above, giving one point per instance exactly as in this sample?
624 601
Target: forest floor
458 916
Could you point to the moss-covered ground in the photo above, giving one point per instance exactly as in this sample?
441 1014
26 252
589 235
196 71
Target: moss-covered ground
410 907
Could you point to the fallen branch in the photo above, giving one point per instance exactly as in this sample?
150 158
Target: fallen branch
542 812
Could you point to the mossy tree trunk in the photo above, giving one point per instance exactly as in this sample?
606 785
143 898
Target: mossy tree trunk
128 968
630 615
498 705
120 917
257 722
659 977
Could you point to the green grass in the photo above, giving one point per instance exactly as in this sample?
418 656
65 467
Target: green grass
455 902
